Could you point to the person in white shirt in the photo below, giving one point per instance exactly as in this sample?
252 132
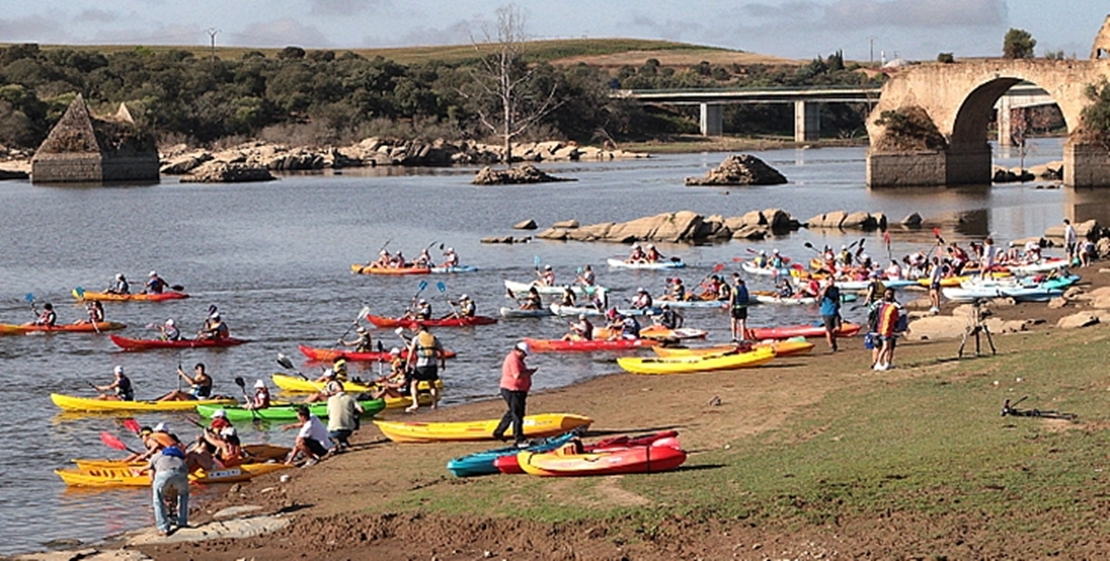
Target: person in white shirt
312 440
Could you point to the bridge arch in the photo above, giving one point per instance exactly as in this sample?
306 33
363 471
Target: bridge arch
959 98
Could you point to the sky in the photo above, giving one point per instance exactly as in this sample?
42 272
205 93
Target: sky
910 29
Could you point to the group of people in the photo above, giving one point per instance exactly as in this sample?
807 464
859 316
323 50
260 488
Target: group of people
421 309
641 254
154 285
214 327
386 260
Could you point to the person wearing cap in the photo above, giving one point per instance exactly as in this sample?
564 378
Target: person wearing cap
761 260
363 342
516 381
467 307
120 387
637 255
622 326
546 277
382 261
653 255
398 260
169 481
396 384
326 378
777 260
312 440
214 328
221 443
427 350
421 312
581 330
642 300
670 318
452 258
343 416
200 385
119 286
261 397
154 284
423 260
738 309
168 331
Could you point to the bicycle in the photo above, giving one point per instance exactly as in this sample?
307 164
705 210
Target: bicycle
1010 409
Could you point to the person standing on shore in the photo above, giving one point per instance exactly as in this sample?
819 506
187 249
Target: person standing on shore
829 298
889 313
169 478
427 349
1071 237
738 309
516 381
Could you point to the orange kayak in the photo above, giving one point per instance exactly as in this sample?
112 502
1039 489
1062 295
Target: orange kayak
21 329
329 355
368 270
139 297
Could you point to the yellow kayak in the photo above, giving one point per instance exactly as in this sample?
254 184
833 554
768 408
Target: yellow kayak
683 365
957 281
786 347
74 403
548 424
295 384
256 452
133 476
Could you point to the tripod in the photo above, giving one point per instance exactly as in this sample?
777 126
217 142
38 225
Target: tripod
975 327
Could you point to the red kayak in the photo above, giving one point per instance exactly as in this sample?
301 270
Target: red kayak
382 321
661 455
129 344
508 464
329 355
804 330
559 345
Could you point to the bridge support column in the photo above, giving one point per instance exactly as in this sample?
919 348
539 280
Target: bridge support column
712 122
1086 165
962 166
1005 121
807 121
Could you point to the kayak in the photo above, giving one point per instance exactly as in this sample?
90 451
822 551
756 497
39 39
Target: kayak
706 363
802 330
753 269
25 328
483 463
286 411
672 263
367 270
329 355
957 281
523 287
786 347
1042 266
129 344
294 384
569 311
559 345
91 404
454 270
659 456
509 464
382 321
658 332
139 297
133 477
692 303
258 453
518 313
1019 290
769 297
547 424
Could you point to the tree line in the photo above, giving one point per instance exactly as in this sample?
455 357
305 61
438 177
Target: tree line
329 97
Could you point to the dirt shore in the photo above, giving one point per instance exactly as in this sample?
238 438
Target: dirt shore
373 503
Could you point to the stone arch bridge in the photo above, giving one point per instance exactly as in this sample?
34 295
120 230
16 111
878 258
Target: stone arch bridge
959 98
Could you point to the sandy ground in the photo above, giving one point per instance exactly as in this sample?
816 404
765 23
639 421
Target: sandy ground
335 506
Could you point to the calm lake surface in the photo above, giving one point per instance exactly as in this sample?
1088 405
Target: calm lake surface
275 258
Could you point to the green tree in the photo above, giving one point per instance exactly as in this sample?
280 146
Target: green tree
1018 43
946 58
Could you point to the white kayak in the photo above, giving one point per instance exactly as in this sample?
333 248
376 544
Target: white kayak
518 313
1042 266
672 263
455 269
523 287
692 303
1018 293
567 311
764 297
753 269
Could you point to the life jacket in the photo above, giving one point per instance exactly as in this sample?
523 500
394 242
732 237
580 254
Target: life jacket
426 346
124 389
467 308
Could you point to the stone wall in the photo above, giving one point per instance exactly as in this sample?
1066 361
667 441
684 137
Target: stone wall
1086 165
906 170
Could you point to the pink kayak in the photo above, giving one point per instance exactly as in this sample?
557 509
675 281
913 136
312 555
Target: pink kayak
559 345
803 330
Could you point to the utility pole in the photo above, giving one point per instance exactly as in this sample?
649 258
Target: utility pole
871 40
212 31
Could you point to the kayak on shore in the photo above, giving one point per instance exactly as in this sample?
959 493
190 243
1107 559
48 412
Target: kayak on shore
133 477
547 424
770 297
329 355
256 453
658 332
299 385
466 321
89 296
93 405
691 364
285 411
25 328
785 347
508 464
129 344
801 330
660 455
560 345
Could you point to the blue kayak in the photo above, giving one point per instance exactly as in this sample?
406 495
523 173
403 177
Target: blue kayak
481 463
455 269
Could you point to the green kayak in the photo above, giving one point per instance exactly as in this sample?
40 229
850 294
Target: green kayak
285 412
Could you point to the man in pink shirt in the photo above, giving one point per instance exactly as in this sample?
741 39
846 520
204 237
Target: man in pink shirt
516 380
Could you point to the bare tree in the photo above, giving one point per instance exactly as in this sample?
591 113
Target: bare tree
505 94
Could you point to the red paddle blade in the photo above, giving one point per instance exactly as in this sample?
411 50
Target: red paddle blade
718 267
936 232
131 425
112 441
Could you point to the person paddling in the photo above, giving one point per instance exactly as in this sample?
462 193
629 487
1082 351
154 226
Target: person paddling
452 258
47 318
653 255
466 308
215 328
546 278
581 330
120 286
362 342
169 331
120 386
532 300
200 385
155 284
96 312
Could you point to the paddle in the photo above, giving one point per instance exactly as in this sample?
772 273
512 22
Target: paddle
30 299
176 287
112 441
361 314
442 288
243 386
810 246
80 291
288 365
131 425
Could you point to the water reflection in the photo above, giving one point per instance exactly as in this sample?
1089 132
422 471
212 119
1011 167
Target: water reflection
1081 205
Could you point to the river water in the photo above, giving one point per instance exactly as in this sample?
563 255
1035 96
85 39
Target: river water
274 257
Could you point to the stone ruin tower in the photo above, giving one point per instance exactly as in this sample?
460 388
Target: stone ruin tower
84 149
1101 48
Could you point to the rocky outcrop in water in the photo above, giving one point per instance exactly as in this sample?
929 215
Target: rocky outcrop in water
525 174
848 221
223 172
742 169
677 227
